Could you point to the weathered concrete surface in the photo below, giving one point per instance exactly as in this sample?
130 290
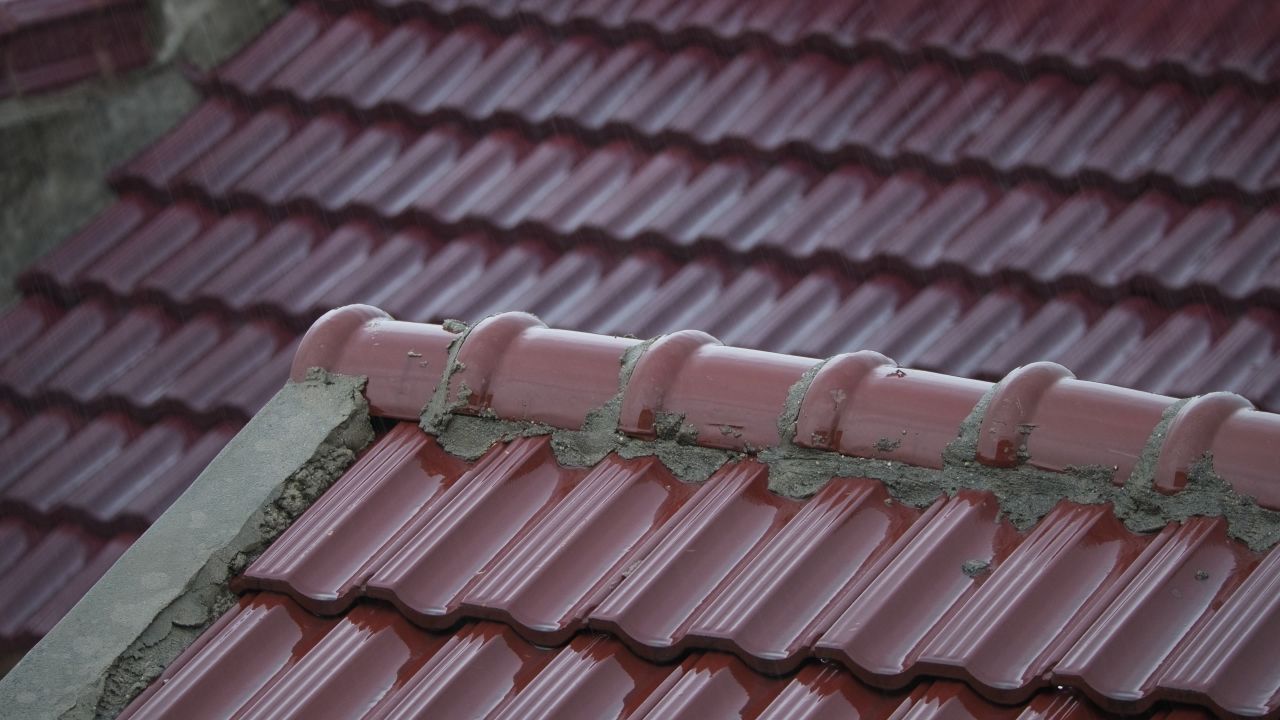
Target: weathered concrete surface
59 146
206 32
172 583
58 149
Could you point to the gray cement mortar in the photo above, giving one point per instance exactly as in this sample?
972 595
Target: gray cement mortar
172 583
1026 493
470 436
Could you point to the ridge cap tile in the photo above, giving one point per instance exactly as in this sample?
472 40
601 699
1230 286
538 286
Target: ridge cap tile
703 562
733 397
950 188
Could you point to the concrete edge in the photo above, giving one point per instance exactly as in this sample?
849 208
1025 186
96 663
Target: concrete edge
172 583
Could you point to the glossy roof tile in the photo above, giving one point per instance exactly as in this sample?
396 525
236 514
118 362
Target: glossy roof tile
1229 41
1110 131
393 669
848 575
448 179
967 192
860 398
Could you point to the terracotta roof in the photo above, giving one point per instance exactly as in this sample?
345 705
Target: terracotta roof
887 585
807 179
1164 39
485 669
48 43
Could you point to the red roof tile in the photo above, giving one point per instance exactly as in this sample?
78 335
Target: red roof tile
1228 41
967 195
861 398
48 43
43 574
268 657
1110 131
694 574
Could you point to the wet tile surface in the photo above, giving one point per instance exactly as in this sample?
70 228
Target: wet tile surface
967 195
722 597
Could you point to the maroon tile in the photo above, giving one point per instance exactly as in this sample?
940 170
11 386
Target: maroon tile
325 557
479 670
1078 547
1122 657
47 45
498 503
721 528
260 641
880 635
31 586
969 192
1237 676
775 606
44 487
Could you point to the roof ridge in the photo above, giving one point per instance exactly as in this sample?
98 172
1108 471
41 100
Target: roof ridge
793 150
686 388
812 315
857 32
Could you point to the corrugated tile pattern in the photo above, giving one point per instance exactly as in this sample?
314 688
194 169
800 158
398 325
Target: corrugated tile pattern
327 168
240 314
1229 41
1109 132
889 592
44 572
95 357
269 658
106 472
967 193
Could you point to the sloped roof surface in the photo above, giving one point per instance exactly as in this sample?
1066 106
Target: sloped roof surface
966 191
485 669
47 43
852 584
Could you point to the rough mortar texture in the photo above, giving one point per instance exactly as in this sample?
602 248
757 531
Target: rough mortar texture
1026 493
469 436
168 587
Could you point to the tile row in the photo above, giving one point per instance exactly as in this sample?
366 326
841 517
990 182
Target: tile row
44 44
887 591
237 269
390 668
43 573
860 404
100 356
1108 133
446 179
1228 41
106 473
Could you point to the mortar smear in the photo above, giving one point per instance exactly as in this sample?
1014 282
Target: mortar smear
1025 493
207 596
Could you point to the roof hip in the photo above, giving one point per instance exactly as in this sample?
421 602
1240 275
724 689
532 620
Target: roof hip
512 367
